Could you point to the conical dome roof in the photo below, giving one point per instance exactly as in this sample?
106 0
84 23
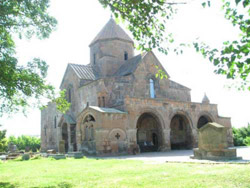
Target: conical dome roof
205 99
111 31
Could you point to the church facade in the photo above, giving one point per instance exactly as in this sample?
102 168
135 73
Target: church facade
118 106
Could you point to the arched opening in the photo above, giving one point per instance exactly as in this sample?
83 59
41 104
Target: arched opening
65 136
148 132
88 128
203 120
181 133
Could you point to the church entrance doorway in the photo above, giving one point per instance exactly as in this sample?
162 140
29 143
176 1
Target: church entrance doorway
148 132
65 136
181 133
203 120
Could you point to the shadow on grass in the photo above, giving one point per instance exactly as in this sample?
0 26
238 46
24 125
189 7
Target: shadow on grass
7 185
59 185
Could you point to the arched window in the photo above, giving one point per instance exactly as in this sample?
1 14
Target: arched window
125 55
152 88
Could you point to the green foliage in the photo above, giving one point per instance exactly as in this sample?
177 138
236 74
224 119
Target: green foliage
148 19
241 136
247 141
23 142
3 141
18 84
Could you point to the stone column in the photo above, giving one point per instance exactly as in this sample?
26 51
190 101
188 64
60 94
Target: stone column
166 145
69 139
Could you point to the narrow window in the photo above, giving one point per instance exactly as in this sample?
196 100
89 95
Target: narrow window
94 59
99 101
125 56
152 88
69 95
45 133
55 122
103 101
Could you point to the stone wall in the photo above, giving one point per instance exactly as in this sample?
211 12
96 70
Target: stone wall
49 128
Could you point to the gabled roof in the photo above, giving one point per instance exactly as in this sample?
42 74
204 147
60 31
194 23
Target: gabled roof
129 66
112 31
176 85
85 72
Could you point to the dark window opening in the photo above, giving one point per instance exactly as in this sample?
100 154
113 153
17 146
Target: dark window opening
180 124
55 122
99 101
125 56
103 101
69 95
94 59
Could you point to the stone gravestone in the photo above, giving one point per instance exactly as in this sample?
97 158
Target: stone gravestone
61 146
12 148
213 144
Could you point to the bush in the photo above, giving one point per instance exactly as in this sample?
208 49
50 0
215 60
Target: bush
247 141
24 142
25 157
3 141
241 136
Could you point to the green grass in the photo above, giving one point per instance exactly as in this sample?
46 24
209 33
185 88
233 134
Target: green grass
120 173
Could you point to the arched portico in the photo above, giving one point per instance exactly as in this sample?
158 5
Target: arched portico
203 120
149 132
181 132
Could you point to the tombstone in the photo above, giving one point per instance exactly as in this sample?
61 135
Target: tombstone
51 151
213 144
12 147
61 148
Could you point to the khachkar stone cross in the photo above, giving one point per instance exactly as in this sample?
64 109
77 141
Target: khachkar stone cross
117 136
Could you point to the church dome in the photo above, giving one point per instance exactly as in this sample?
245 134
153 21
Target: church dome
111 31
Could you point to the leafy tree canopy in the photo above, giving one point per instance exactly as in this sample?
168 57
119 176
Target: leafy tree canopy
18 84
148 19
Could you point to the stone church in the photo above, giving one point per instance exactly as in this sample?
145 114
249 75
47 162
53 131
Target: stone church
118 106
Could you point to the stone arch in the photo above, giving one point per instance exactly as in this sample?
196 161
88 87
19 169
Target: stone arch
181 136
152 111
203 119
87 127
149 132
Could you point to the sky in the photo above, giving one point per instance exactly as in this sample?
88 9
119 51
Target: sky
80 21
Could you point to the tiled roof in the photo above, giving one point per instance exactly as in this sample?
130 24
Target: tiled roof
129 66
111 31
69 119
85 72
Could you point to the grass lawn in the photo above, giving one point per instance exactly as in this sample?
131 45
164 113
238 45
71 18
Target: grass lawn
119 173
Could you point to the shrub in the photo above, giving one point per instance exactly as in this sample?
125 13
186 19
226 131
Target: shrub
247 141
3 141
241 136
23 142
25 157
